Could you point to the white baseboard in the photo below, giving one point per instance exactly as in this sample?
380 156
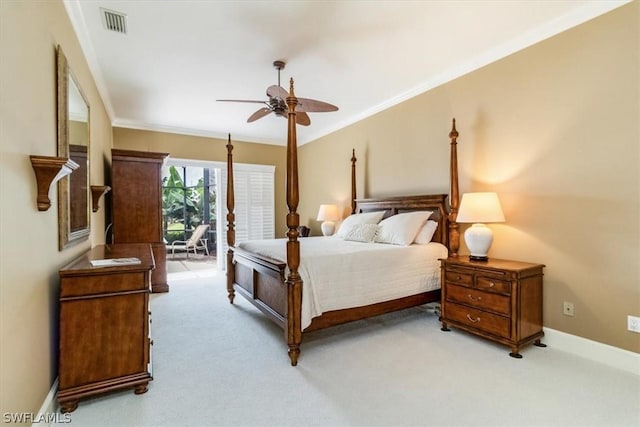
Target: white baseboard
598 352
48 408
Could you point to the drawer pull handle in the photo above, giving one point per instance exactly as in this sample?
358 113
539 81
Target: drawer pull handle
473 299
476 320
491 284
458 277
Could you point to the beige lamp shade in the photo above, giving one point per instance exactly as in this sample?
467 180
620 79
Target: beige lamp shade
328 214
479 209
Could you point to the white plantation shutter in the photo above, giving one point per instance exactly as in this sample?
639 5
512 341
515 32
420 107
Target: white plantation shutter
261 205
254 202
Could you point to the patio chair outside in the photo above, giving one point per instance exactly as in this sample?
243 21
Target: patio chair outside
195 242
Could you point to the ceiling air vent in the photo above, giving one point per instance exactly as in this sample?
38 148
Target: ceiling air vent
114 21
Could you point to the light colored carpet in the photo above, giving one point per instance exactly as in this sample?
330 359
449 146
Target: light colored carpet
217 364
179 270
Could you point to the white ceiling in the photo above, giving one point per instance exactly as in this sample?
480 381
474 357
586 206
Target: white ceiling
179 56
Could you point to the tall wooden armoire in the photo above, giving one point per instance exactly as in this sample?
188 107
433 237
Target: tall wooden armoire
136 191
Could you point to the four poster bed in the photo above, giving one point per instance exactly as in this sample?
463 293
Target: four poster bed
367 279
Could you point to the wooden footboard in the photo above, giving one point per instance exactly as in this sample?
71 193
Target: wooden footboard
261 281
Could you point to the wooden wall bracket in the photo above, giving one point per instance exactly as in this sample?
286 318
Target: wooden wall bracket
98 191
49 170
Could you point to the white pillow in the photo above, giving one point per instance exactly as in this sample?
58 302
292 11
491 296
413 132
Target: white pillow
401 229
426 232
361 218
362 233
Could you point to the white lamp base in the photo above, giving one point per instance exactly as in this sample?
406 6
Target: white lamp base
478 238
328 228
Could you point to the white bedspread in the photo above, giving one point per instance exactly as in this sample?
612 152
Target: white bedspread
339 274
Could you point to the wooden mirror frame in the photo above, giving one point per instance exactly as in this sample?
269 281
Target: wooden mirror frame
67 233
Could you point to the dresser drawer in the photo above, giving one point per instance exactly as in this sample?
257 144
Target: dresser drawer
487 322
493 285
479 299
103 284
459 277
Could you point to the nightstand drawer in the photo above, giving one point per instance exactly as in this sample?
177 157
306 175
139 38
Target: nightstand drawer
491 323
459 277
478 299
493 285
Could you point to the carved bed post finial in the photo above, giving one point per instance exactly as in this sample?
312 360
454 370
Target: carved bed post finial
353 181
231 217
293 330
454 200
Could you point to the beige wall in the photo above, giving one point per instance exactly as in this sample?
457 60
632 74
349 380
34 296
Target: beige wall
29 256
554 129
200 148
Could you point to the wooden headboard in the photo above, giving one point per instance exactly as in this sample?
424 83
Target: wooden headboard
445 211
399 204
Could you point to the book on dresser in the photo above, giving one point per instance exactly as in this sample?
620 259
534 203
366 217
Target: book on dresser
114 261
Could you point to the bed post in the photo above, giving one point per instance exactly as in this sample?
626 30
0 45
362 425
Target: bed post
293 330
231 217
454 232
353 181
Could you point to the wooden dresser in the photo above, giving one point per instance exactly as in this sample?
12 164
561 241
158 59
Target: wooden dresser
104 324
497 299
136 192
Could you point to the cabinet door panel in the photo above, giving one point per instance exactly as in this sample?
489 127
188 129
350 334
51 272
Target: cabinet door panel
102 338
137 213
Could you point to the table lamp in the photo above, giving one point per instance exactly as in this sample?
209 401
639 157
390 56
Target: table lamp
479 208
328 214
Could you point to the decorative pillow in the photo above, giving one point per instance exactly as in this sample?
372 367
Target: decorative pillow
362 233
426 232
401 229
361 218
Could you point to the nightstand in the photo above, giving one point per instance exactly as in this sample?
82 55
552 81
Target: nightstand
498 299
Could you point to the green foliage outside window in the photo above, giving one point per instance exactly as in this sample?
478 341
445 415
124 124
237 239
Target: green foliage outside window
183 206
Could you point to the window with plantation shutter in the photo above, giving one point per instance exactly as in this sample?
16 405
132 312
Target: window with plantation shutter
254 202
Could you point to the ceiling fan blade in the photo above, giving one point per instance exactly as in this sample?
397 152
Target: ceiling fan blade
242 100
276 91
314 106
302 118
259 114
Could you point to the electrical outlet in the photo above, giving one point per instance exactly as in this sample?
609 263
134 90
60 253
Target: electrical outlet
567 308
633 323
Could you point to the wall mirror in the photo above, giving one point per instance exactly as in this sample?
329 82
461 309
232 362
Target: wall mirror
73 142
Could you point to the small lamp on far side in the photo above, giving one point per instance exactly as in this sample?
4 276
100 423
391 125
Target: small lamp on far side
479 208
328 214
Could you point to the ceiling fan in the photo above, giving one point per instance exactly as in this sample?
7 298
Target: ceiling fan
277 103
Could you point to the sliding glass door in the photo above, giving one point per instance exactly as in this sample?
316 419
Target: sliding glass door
188 200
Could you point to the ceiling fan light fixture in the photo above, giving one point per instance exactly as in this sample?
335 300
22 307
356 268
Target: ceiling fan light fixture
277 102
